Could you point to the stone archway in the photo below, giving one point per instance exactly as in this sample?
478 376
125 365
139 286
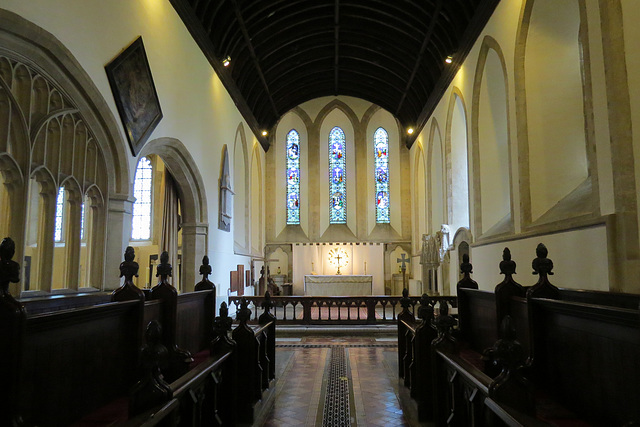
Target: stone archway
191 190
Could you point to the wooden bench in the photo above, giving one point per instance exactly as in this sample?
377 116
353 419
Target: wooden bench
577 355
77 366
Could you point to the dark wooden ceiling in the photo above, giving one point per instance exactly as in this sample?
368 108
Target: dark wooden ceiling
286 52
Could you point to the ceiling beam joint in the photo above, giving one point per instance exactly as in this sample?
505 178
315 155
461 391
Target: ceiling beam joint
423 48
256 63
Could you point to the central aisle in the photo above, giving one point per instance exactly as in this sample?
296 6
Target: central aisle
341 381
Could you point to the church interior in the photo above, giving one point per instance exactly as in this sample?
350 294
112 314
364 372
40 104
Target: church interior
329 149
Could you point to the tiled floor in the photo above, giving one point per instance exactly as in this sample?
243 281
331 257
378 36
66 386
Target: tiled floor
371 372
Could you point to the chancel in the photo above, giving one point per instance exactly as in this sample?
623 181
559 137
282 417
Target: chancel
369 171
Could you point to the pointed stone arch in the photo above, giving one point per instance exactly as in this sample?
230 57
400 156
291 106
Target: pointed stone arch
241 200
191 190
46 86
436 170
256 203
457 166
499 216
421 207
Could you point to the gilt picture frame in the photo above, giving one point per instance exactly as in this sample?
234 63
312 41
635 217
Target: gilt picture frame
135 94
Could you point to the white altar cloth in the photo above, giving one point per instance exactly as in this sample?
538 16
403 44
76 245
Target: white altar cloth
351 285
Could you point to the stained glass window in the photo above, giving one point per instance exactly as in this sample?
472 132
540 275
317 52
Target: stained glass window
142 187
57 234
337 177
381 151
293 177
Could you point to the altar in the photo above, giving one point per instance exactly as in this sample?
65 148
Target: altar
338 285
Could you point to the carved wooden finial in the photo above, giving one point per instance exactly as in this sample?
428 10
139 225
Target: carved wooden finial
9 269
205 284
507 266
542 266
205 268
405 301
466 268
510 387
506 289
129 268
444 324
267 304
152 389
221 327
426 308
164 268
244 313
223 322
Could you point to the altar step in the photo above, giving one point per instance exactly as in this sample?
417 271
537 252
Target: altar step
377 331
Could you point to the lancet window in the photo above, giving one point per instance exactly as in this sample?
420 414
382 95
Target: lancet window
293 177
381 153
142 191
337 177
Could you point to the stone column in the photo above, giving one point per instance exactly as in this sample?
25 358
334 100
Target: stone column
119 215
194 247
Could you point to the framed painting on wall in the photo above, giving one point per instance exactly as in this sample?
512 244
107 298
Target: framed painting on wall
135 94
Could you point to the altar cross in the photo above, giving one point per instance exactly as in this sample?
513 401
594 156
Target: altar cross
338 257
404 260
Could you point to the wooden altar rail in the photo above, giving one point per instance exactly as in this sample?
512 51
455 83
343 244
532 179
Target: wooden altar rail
563 356
321 310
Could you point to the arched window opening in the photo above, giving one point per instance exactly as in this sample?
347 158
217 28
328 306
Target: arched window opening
58 234
293 177
142 191
337 177
381 152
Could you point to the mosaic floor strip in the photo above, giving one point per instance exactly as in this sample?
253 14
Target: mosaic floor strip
336 411
338 381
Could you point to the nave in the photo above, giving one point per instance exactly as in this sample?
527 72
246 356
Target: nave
338 381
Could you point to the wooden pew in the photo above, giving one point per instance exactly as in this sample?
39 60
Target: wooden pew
255 357
579 350
61 366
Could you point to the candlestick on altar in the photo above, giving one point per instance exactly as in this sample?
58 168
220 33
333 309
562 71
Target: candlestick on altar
365 268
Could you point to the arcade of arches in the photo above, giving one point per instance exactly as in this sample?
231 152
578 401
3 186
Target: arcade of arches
534 140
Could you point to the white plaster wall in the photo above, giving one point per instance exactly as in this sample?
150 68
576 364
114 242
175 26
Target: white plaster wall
555 109
578 259
631 17
314 106
567 247
196 107
337 118
493 143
